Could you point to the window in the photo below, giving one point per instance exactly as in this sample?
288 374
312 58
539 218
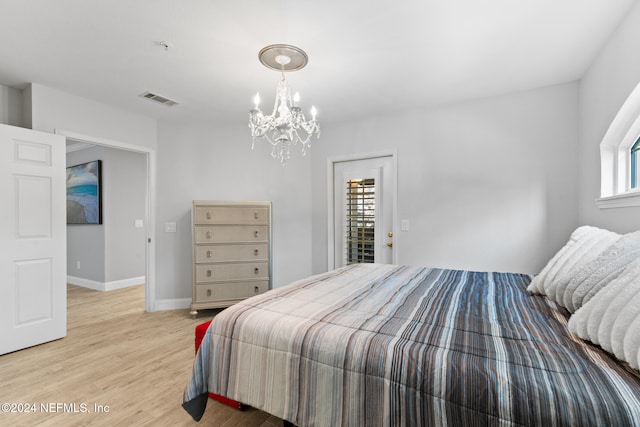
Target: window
360 220
634 164
619 165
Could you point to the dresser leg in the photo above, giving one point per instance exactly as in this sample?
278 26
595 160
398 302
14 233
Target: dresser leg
194 313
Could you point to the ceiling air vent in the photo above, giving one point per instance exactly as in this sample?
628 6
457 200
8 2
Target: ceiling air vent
159 99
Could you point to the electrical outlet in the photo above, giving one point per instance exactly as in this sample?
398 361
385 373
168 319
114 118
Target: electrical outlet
78 265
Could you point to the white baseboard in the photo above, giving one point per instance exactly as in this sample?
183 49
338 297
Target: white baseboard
173 304
105 286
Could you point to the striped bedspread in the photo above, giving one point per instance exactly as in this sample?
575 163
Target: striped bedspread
382 345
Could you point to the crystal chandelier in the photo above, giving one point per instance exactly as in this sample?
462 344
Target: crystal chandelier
286 125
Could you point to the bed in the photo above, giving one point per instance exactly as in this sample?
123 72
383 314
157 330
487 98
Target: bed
384 345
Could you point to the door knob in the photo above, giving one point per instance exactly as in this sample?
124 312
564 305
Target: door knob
390 234
390 244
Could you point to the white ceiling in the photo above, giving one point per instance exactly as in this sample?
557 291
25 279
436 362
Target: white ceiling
366 57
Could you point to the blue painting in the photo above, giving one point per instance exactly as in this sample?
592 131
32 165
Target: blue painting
84 198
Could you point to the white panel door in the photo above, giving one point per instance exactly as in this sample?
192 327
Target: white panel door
363 211
33 289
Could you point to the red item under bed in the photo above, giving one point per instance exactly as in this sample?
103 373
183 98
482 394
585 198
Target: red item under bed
201 329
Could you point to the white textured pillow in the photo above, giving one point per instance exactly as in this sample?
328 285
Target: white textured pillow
584 245
611 318
593 276
550 270
622 326
631 344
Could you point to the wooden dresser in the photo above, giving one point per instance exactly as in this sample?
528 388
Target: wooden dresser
231 252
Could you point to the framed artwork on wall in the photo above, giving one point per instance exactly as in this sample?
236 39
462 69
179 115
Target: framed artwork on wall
84 193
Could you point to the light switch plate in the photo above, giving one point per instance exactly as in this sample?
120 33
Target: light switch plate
139 223
404 225
170 227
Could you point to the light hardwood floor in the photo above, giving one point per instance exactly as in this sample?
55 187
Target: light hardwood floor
117 356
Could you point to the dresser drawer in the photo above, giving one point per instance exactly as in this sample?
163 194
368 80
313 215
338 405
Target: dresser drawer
239 271
231 233
231 215
231 252
230 291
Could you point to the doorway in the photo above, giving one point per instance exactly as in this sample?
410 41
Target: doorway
362 209
148 216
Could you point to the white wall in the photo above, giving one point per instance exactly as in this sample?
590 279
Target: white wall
124 175
486 185
52 109
201 162
11 105
603 90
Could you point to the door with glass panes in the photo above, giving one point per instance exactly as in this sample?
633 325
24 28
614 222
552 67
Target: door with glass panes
363 211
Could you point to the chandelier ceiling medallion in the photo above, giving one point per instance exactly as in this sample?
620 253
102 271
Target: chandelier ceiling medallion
286 125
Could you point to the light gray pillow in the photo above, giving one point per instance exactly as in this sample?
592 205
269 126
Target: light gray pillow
584 245
593 276
611 318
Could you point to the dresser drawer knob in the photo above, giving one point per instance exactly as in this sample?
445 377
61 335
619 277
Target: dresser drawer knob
256 290
255 252
208 273
208 215
208 292
256 234
255 214
256 270
208 235
209 254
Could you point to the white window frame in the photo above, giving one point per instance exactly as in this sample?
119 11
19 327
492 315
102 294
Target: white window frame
615 156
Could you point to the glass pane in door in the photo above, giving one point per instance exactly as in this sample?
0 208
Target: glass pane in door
360 221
